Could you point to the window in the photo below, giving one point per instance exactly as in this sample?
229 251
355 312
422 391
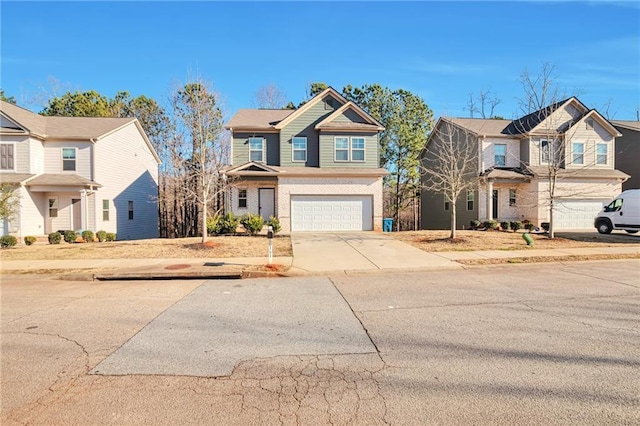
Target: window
601 153
614 206
328 104
105 210
256 152
53 207
500 155
299 148
6 156
512 197
446 204
342 149
357 149
545 152
68 159
242 198
130 210
589 123
470 198
349 149
578 153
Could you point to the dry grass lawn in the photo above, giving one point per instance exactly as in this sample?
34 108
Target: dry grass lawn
216 247
435 241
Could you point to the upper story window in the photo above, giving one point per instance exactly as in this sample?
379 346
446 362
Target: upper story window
349 149
299 148
546 151
130 209
500 155
601 154
68 159
6 156
342 149
357 149
242 198
256 150
578 153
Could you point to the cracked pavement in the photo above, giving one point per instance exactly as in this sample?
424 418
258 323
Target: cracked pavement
518 344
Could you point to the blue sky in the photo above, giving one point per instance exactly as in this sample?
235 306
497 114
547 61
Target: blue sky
440 51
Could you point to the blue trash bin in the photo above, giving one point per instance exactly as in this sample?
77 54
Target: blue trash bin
387 225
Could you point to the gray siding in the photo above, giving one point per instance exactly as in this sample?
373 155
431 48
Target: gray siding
304 126
627 153
327 152
241 148
434 216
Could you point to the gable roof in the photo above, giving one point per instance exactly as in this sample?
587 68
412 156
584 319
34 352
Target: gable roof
319 97
257 119
596 115
370 122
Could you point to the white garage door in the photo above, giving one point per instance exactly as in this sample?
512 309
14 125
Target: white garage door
331 213
578 214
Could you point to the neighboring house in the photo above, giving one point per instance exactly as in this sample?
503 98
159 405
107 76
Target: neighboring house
515 160
78 173
628 151
315 168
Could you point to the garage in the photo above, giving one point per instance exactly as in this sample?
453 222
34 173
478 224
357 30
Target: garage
576 214
331 213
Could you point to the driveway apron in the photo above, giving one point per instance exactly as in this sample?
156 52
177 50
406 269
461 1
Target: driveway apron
359 251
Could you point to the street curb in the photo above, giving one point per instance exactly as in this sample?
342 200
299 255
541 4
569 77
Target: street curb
167 276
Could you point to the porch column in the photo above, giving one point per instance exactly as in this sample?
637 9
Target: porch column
489 199
83 209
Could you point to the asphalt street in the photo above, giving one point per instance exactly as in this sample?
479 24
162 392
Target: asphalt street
515 344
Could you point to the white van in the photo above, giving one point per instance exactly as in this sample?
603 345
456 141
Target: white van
622 213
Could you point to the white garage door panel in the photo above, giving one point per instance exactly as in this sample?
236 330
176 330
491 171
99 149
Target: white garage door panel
577 214
331 213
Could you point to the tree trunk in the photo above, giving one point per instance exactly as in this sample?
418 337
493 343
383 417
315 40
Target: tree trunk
453 221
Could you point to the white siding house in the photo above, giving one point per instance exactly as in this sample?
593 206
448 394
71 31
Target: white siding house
78 173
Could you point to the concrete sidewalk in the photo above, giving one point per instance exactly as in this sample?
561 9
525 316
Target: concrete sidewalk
333 257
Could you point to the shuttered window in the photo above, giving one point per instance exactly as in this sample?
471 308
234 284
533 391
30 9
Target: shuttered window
6 156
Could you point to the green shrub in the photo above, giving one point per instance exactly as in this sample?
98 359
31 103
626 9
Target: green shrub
87 236
545 226
30 240
252 223
274 223
228 224
102 236
55 238
516 225
70 236
490 224
505 225
8 241
213 223
111 236
475 224
529 226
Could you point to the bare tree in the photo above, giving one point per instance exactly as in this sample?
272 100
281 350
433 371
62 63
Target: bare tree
484 105
200 143
9 201
270 97
450 165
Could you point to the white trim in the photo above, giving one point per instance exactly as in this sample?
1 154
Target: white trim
262 141
75 159
606 163
573 153
293 149
364 149
15 162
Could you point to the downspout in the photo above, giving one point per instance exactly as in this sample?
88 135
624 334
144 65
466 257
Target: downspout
93 179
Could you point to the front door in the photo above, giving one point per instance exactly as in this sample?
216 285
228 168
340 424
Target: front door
266 202
494 202
77 214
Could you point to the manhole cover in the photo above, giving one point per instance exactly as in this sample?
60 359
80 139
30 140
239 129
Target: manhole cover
178 266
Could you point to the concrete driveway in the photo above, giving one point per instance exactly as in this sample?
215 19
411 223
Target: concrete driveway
359 251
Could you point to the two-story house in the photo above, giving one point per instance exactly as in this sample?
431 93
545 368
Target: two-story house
315 168
563 153
628 151
78 173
